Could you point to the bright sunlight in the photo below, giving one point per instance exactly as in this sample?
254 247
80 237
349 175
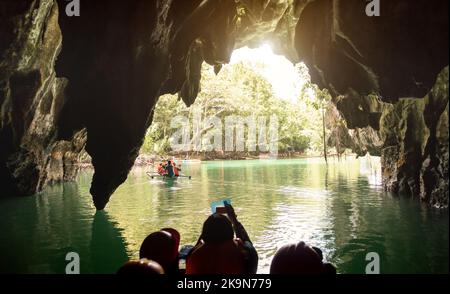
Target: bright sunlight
279 71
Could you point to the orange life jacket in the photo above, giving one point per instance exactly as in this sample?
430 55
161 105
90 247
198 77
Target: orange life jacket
226 258
160 170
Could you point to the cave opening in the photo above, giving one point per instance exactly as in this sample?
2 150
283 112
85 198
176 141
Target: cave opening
255 85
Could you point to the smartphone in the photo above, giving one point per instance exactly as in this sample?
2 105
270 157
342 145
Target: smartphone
219 206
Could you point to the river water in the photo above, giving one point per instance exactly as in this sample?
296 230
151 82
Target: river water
341 209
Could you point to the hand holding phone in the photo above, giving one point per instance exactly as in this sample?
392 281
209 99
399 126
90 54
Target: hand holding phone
219 206
231 213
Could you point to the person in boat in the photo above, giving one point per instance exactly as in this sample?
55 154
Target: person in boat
176 170
300 259
169 169
164 165
161 169
219 252
141 267
162 247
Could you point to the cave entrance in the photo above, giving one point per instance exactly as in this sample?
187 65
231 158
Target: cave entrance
258 105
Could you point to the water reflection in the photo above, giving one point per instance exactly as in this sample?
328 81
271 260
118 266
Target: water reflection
107 245
340 208
38 232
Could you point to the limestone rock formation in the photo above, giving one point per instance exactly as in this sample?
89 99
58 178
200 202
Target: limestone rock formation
31 98
116 58
418 146
411 137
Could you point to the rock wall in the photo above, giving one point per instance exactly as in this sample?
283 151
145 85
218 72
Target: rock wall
370 64
415 152
411 138
118 57
31 98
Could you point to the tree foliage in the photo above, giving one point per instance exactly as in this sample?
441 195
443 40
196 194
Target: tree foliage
241 90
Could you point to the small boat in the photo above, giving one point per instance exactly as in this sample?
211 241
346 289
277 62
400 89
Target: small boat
166 177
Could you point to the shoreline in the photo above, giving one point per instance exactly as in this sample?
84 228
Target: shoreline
148 160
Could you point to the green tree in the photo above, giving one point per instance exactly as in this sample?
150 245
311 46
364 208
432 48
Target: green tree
241 90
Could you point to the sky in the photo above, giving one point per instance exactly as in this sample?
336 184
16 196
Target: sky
279 71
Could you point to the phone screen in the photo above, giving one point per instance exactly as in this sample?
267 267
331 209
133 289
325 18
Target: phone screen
219 206
221 209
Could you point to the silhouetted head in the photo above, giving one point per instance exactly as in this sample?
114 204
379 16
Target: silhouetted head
169 162
217 229
318 251
160 247
176 237
297 259
141 267
329 269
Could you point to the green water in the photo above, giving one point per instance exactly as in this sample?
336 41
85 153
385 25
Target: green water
342 210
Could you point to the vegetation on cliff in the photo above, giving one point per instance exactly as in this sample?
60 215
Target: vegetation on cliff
241 90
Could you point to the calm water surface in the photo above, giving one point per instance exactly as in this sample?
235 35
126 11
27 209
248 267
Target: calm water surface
341 209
